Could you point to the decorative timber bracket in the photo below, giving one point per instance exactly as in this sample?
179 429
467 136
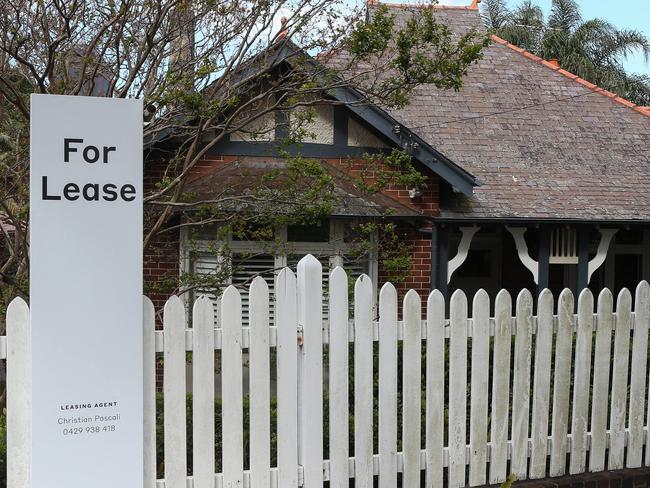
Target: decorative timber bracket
463 249
522 251
606 236
596 262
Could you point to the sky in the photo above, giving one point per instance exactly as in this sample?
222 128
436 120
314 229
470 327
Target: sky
629 14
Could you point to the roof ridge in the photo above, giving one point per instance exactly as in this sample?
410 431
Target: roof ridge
472 6
594 88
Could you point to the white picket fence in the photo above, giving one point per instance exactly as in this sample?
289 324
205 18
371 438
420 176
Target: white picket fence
540 398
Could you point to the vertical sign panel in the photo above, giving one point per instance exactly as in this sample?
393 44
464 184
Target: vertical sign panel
86 292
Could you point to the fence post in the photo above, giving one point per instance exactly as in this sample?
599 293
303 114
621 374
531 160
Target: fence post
203 465
174 394
581 378
521 385
232 419
338 379
19 395
638 377
310 316
542 384
479 385
411 388
619 381
388 386
149 401
435 389
363 382
600 393
457 389
260 384
561 383
287 322
500 386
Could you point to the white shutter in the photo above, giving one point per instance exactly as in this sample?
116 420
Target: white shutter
205 264
245 268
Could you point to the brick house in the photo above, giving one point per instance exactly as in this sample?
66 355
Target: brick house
535 178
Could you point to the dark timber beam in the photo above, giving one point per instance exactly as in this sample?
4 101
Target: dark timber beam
543 258
582 280
270 149
433 284
341 119
441 259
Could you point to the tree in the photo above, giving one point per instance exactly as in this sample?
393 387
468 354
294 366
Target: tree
209 67
593 49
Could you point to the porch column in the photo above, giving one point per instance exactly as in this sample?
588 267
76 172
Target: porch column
582 279
543 258
439 239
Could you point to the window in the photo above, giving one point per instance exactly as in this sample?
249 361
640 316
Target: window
249 259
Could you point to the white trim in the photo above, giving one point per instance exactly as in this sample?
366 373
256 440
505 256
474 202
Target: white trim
335 248
463 250
596 262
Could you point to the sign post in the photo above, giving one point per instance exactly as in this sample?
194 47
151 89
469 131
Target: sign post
86 292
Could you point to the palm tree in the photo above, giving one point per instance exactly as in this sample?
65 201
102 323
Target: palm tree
593 49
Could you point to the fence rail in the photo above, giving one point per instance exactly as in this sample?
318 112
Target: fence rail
482 397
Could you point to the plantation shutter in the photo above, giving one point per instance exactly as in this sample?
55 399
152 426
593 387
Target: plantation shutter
205 264
354 269
245 268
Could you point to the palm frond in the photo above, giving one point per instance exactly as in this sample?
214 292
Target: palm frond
495 14
565 15
529 14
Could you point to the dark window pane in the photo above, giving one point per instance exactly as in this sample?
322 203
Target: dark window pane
477 264
317 232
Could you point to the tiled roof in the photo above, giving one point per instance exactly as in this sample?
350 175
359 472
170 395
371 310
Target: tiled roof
544 143
245 176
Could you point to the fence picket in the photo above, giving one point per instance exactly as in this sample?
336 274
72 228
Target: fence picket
541 385
642 314
581 379
638 377
203 397
521 385
435 389
388 386
363 383
287 349
411 388
338 379
619 381
232 420
149 394
600 393
457 389
19 394
479 389
500 387
260 384
310 316
561 383
174 394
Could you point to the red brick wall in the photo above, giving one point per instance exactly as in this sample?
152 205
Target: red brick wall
419 245
162 259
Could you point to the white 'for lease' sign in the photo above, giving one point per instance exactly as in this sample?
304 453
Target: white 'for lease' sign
86 292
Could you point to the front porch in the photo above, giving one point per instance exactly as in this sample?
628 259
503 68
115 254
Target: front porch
538 255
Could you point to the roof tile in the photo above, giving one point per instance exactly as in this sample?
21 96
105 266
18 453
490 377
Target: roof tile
543 146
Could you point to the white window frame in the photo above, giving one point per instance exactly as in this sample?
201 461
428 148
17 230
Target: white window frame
335 249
